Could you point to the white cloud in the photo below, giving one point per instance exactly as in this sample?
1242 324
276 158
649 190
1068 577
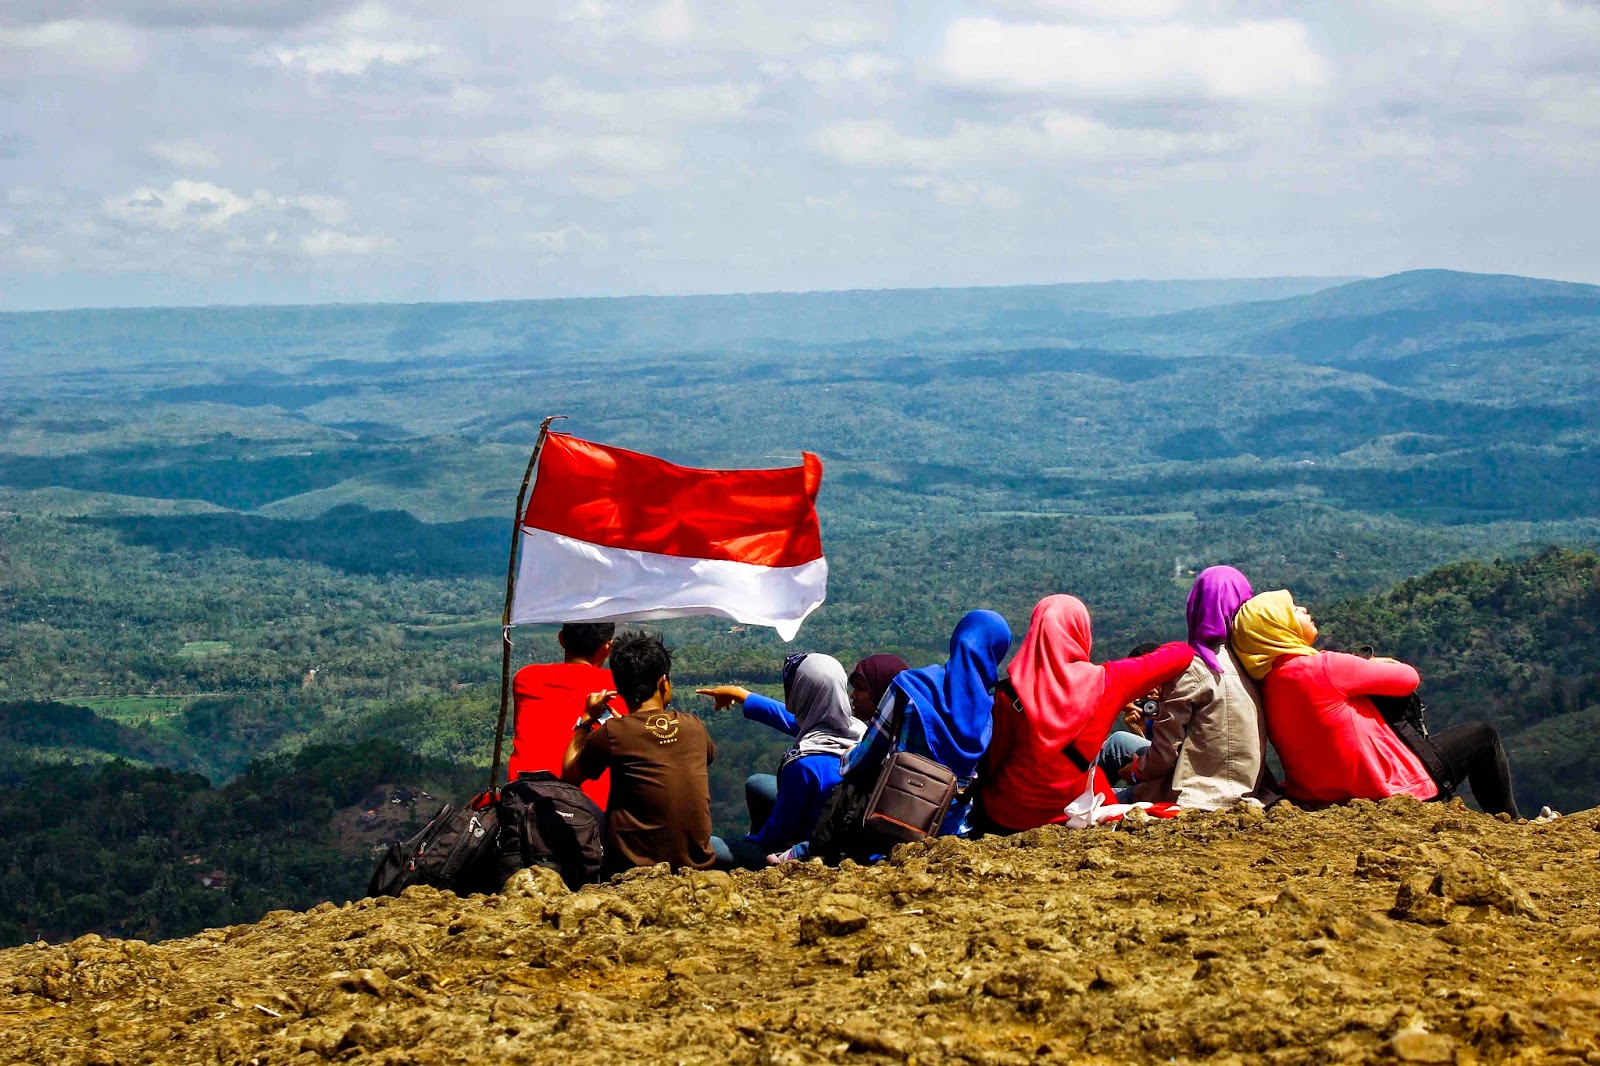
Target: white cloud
1242 60
1100 10
370 36
965 194
322 243
1490 18
187 204
184 204
850 70
670 21
184 14
1055 136
606 165
565 99
705 28
328 210
567 238
1485 38
352 57
875 142
185 155
48 48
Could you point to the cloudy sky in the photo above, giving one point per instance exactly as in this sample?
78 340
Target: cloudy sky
230 151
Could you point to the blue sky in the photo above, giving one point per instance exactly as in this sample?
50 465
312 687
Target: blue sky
240 151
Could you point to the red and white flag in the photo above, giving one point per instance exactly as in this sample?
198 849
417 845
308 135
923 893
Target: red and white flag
613 535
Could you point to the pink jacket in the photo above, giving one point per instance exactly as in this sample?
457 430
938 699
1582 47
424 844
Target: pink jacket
1334 744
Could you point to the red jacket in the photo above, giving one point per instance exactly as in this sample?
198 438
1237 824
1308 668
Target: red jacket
1031 772
549 699
1334 744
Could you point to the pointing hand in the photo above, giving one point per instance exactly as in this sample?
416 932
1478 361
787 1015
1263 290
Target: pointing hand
724 696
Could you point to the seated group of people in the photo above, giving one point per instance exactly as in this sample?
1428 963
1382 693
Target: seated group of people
1196 718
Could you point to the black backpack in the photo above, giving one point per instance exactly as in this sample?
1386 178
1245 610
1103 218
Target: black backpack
1407 718
455 851
545 821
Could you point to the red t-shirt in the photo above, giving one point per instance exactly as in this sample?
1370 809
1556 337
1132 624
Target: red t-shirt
1333 742
549 699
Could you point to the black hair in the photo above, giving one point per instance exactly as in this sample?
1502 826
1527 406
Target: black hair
583 639
1143 649
638 661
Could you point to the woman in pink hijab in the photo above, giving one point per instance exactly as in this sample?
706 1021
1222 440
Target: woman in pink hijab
1053 711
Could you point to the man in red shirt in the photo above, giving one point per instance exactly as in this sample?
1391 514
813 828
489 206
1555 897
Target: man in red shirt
549 700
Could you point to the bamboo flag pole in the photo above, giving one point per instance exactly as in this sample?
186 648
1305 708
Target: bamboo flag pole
511 588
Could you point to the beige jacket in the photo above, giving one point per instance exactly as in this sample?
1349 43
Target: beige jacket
1208 748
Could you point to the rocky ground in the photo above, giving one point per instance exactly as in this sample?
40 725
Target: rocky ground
1394 931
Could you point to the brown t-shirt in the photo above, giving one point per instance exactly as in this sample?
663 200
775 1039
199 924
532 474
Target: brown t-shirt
660 808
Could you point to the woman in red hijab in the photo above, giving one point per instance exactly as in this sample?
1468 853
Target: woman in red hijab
1052 713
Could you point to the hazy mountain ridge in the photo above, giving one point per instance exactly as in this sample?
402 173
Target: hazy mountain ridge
238 531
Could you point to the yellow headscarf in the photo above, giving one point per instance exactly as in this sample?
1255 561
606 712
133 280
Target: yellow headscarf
1266 628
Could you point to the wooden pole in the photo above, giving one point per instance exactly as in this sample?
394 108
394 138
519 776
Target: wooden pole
511 588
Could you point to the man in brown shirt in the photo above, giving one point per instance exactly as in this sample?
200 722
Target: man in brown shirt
660 809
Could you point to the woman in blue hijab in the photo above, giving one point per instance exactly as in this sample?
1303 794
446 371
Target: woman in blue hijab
941 712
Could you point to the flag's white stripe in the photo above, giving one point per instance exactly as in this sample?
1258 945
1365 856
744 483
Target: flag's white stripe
562 579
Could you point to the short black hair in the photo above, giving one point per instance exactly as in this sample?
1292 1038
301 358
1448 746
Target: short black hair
585 638
1143 649
638 661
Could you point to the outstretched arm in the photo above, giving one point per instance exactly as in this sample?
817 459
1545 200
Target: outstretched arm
1125 679
755 707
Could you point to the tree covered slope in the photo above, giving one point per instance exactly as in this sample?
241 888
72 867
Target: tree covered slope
1514 643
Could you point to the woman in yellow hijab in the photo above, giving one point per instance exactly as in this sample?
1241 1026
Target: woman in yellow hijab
1334 744
1269 626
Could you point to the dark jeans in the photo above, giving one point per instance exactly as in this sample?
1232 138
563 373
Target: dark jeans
760 795
1474 755
1121 748
737 853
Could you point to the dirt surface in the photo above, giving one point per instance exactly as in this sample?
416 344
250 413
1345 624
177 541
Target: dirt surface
1396 931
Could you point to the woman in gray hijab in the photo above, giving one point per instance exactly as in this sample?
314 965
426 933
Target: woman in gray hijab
816 712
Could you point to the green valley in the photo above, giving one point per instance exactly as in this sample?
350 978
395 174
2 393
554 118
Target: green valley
234 538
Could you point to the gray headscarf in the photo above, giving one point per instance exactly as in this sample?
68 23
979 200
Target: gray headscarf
819 699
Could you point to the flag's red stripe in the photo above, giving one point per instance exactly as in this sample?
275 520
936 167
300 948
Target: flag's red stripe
622 499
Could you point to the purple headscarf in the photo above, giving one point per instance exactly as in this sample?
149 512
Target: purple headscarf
1217 595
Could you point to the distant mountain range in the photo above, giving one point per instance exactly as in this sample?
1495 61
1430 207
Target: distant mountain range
233 534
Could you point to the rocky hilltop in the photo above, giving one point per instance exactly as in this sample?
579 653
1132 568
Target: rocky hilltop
1393 931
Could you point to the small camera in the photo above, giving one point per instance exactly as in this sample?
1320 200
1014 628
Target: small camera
1147 708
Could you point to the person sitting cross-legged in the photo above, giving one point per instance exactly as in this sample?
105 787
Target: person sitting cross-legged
660 807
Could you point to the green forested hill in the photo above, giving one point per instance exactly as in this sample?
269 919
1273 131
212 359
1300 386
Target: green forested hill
229 534
1516 644
139 852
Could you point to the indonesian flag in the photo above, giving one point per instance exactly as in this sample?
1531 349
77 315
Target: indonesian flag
611 535
1098 804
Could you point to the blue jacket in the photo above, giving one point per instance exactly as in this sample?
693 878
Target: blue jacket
804 785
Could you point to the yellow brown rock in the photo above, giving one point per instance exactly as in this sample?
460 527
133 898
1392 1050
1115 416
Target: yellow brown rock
1396 932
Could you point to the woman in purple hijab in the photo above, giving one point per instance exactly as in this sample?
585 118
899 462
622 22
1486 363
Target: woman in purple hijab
1217 595
1208 742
